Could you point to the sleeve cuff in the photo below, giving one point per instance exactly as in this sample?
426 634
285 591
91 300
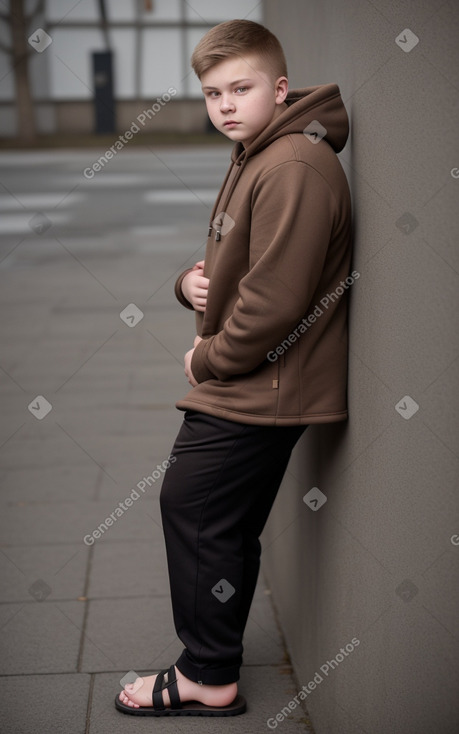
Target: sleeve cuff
200 372
178 290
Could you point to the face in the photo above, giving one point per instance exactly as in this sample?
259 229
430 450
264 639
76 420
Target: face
241 99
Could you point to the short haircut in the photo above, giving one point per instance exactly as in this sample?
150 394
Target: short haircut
239 38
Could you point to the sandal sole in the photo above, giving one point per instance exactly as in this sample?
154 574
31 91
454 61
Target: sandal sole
190 708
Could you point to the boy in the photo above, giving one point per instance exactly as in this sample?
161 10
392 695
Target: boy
269 359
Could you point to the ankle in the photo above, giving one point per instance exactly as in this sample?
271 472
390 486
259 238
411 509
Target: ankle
221 695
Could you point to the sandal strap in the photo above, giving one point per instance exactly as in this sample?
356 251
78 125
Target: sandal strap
161 685
157 696
173 688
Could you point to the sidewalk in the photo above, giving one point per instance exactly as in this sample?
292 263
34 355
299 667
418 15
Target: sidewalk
87 416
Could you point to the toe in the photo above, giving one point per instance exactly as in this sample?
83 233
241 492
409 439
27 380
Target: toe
138 683
132 688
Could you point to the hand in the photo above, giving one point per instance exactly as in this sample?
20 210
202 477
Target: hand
195 287
188 358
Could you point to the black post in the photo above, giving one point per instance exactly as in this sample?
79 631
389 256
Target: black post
104 103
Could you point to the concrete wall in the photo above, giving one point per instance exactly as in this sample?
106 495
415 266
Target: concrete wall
378 561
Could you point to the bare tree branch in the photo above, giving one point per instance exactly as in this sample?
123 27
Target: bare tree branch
39 8
104 22
19 60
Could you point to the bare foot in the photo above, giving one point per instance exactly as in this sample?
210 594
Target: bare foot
139 693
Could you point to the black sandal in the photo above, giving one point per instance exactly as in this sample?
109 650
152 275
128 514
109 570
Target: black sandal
190 708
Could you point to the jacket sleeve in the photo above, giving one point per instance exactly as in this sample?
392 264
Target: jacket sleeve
178 290
293 210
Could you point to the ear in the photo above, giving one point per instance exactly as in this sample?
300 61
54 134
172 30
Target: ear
281 89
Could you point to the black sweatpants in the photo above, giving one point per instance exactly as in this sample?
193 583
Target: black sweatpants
215 500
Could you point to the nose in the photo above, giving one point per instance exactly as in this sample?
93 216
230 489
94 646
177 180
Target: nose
226 103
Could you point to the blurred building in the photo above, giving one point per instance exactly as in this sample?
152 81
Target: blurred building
151 54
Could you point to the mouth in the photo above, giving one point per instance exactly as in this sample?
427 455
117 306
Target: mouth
230 123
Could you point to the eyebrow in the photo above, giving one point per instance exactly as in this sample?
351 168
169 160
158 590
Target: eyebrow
231 84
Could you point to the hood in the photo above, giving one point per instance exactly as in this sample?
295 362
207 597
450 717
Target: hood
322 104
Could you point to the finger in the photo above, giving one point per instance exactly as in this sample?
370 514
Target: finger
199 284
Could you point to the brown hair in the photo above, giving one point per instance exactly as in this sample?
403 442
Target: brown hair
239 38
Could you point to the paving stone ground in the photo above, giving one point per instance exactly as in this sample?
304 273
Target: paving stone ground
76 616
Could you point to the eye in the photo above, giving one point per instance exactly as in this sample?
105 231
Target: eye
241 90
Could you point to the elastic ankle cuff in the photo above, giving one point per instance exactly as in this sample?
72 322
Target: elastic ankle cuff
207 675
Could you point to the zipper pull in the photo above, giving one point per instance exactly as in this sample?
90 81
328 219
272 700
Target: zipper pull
218 236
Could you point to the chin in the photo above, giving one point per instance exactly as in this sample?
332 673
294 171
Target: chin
235 135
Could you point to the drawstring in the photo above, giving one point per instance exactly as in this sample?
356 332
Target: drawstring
219 225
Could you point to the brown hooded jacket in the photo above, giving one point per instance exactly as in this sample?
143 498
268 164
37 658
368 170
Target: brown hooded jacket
274 349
